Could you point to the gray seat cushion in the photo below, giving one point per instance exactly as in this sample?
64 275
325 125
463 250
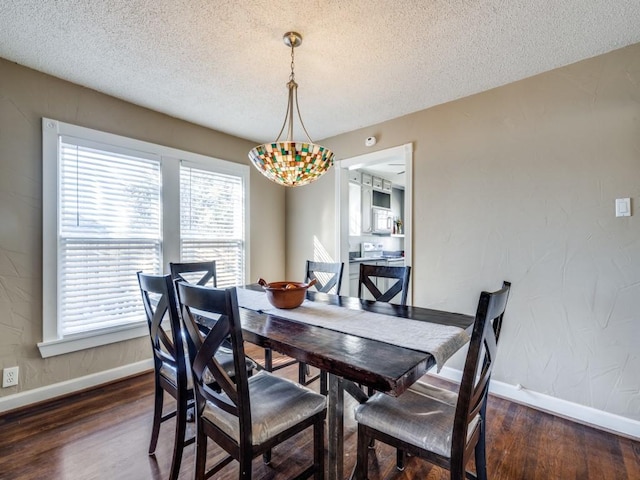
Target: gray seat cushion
276 404
169 371
225 359
422 416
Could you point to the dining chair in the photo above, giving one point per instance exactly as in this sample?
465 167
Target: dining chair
199 273
328 276
435 424
372 277
249 415
203 273
169 359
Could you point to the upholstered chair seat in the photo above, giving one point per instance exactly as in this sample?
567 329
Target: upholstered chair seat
225 359
422 416
276 405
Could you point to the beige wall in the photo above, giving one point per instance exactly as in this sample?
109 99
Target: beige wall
518 183
25 97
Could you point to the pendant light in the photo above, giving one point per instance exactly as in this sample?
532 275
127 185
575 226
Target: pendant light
292 163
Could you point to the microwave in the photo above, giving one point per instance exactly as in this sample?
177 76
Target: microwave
380 199
381 220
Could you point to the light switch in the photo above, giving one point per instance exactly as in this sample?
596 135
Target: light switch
623 207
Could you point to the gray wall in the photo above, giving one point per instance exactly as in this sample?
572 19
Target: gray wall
518 183
25 97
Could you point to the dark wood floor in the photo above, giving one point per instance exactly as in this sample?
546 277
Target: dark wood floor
104 434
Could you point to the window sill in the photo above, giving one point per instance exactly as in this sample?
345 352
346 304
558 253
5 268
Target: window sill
78 342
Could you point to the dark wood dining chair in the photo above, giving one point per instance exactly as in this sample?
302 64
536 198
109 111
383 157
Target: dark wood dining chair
435 424
372 276
198 273
328 276
204 274
249 415
170 367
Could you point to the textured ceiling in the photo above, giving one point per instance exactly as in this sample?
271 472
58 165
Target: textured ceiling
223 64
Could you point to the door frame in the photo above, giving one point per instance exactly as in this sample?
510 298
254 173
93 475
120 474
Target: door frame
401 152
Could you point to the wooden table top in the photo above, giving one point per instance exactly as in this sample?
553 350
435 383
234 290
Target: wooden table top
385 367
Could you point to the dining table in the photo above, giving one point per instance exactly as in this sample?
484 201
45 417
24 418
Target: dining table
380 360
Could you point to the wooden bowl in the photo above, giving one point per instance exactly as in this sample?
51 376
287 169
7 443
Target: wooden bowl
286 294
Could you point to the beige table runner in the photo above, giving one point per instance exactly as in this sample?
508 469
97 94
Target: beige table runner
441 341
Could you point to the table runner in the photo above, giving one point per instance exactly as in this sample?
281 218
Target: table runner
441 341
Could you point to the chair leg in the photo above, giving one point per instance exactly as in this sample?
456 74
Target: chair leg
201 453
157 417
400 459
268 359
266 457
480 450
324 383
362 461
178 443
244 465
302 373
318 450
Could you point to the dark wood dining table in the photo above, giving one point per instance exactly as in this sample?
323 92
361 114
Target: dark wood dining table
349 360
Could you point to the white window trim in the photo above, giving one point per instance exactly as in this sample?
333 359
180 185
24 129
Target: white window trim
53 343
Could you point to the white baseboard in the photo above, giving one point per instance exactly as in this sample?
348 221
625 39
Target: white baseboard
600 419
40 394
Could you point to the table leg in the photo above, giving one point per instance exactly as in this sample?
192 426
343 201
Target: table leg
336 428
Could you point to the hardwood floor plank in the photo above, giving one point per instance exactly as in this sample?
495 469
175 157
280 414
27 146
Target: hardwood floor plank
631 455
104 434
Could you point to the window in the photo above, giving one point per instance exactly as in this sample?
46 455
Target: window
212 221
113 206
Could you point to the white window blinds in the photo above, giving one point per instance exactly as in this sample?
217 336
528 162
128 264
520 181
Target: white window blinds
109 227
212 220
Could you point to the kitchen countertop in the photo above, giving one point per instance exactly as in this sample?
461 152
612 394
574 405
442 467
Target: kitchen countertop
374 259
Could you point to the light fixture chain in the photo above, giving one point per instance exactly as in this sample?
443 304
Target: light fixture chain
292 77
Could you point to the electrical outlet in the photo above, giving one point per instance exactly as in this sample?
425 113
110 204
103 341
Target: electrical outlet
10 377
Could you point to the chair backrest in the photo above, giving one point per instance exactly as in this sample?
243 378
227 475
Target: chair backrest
222 305
476 375
199 273
159 300
328 275
372 276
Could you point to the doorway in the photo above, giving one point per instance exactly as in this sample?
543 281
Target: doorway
390 161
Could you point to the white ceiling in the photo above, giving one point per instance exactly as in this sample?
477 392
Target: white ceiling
222 63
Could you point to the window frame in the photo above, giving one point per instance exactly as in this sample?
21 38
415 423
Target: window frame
53 342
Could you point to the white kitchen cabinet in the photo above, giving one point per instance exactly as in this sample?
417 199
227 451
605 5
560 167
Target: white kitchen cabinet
354 276
367 180
355 209
355 176
386 186
366 199
377 183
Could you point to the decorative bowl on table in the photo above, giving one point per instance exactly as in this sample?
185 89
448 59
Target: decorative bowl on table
286 294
